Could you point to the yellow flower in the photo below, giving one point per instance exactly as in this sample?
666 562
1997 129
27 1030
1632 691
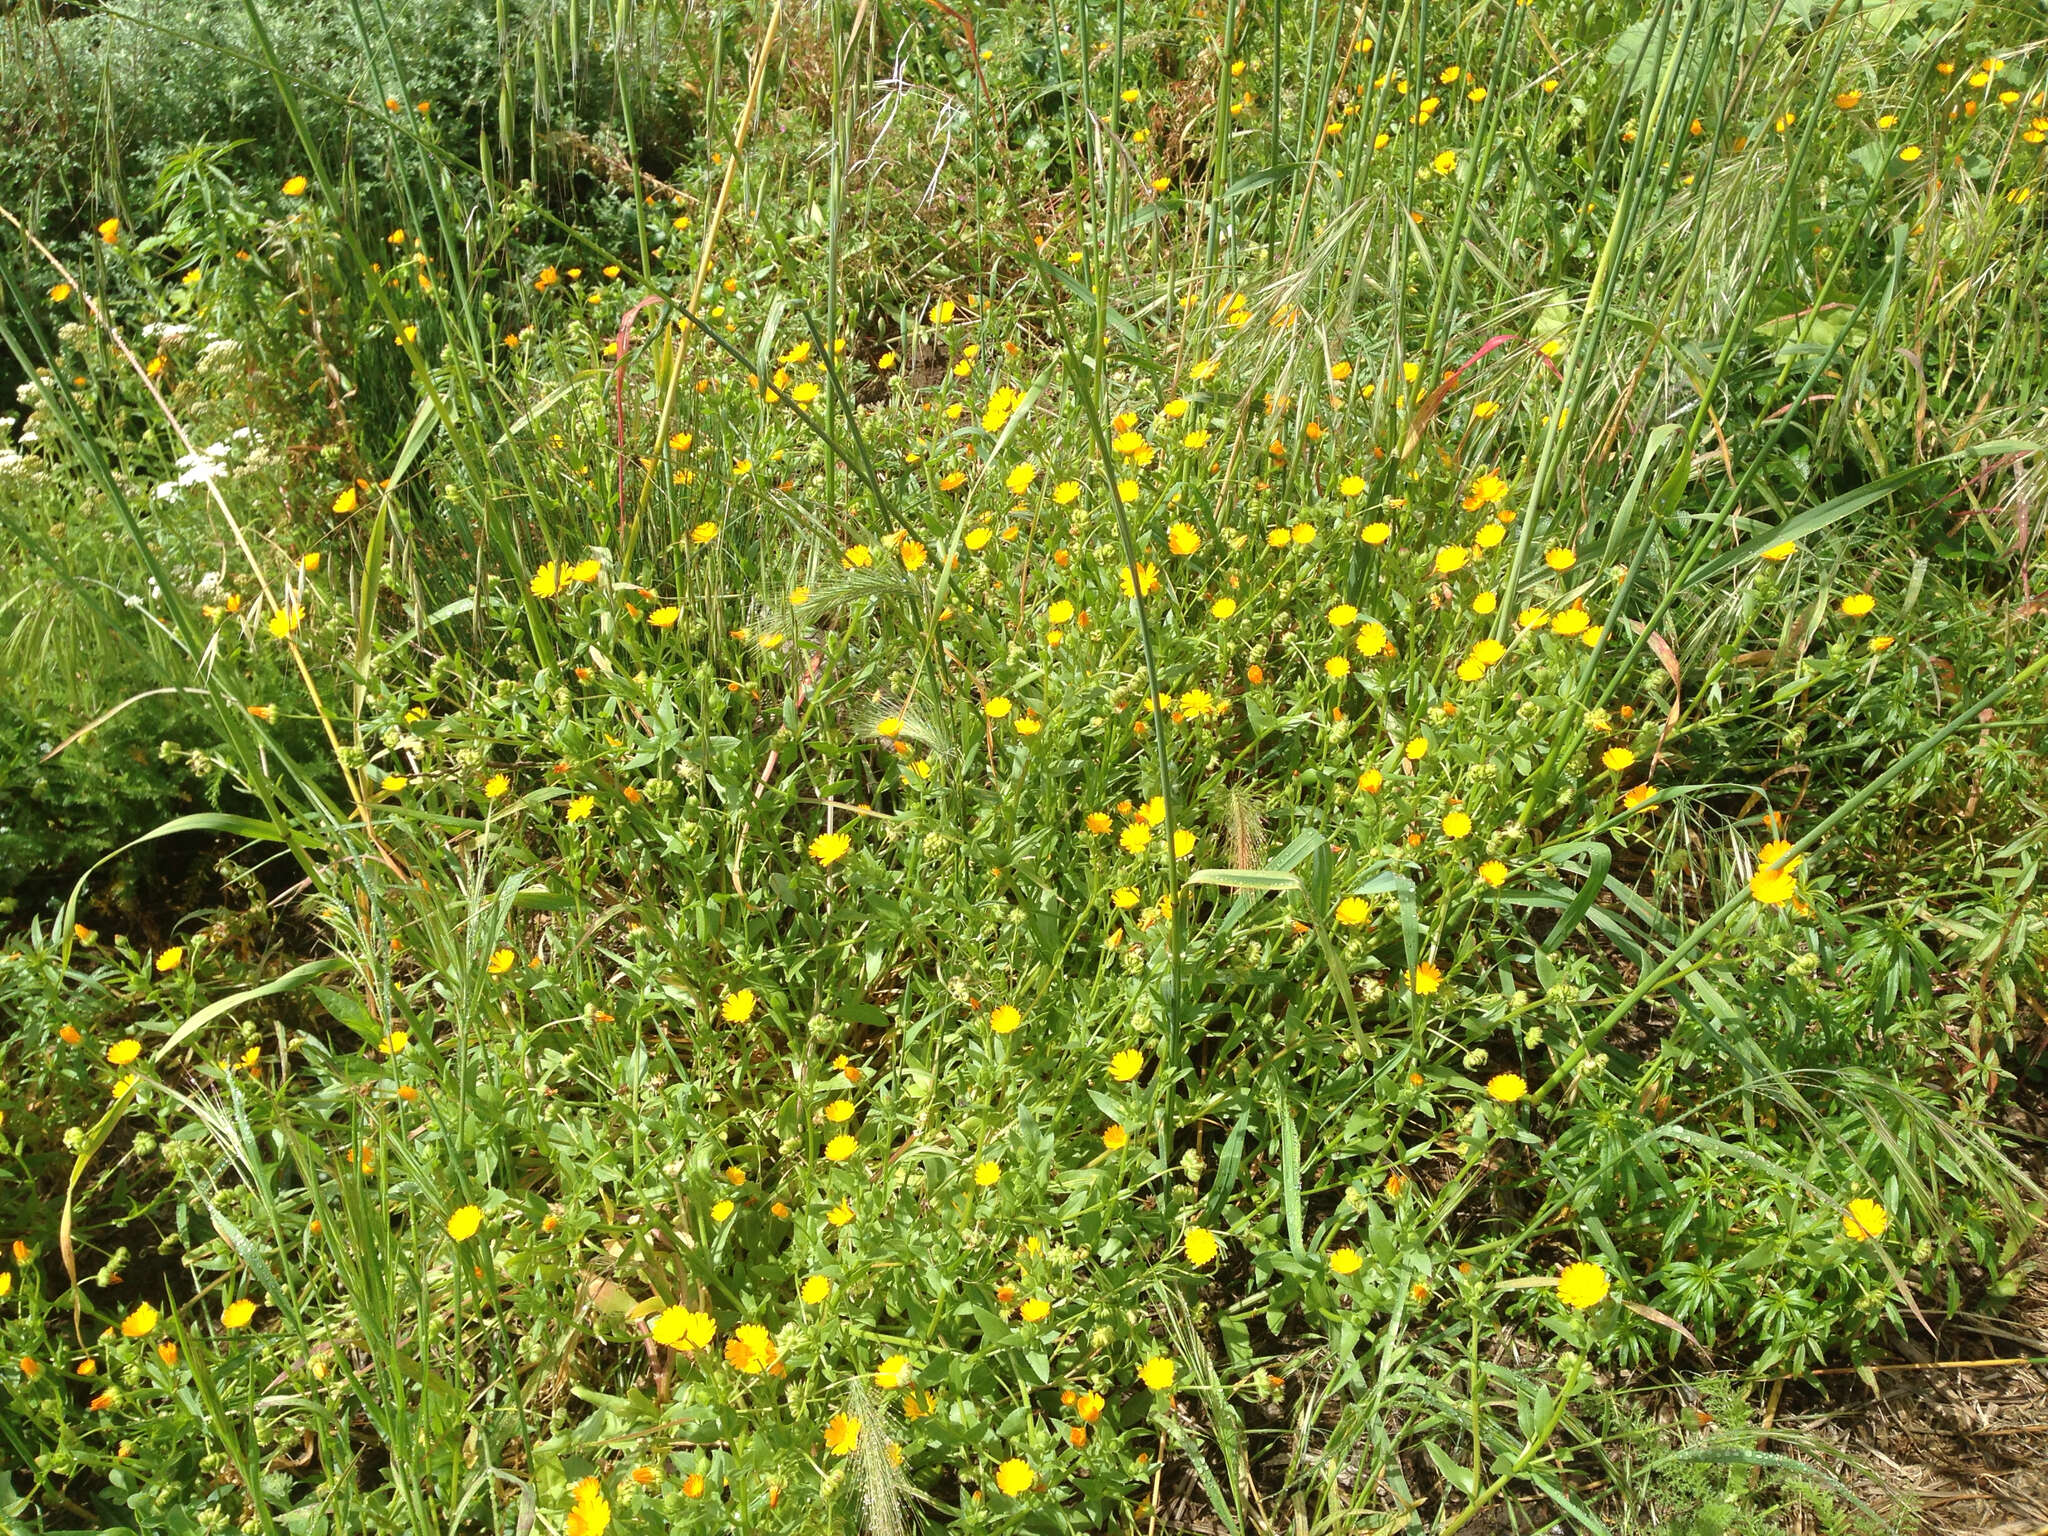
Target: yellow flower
1506 1087
237 1314
393 1043
1457 824
110 230
1146 579
681 1328
1200 1246
840 1214
1036 1310
751 1350
987 1172
123 1086
912 554
830 847
1338 667
1127 491
139 1322
121 1052
704 532
721 1210
171 959
1910 153
1617 759
842 1434
1135 837
815 1290
1445 163
1354 912
1005 1019
893 1373
1417 749
1223 608
1779 552
464 1221
1426 978
547 581
1493 872
840 1148
1125 1065
1157 1373
591 1512
738 1007
1182 539
59 292
286 621
580 807
1774 882
1302 533
1865 1219
500 962
1558 558
996 708
1067 492
1183 842
1115 1137
1377 534
1857 604
1451 557
1582 1285
1345 1261
1015 1477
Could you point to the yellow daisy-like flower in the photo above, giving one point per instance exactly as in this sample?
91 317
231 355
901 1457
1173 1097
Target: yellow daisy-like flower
704 532
681 1328
987 1172
751 1349
1457 825
121 1052
815 1290
665 616
591 1513
842 1434
1559 558
238 1314
738 1007
1125 1065
501 961
1617 759
1182 539
840 1148
1005 1019
1774 882
581 807
463 1222
1223 608
1115 1137
1778 552
1036 1310
1145 580
1857 604
1157 1373
170 959
1865 1219
1582 1285
1354 912
893 1373
1015 1477
1200 1246
1135 838
1506 1087
1426 978
1345 1261
1493 872
828 848
1451 557
139 1322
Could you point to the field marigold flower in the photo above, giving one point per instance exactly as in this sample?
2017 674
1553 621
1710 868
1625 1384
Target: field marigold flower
501 961
681 1328
987 1172
1506 1087
464 1221
1125 1065
1493 872
1157 1373
1582 1285
738 1007
751 1350
1200 1246
238 1314
1115 1137
1223 608
1774 882
139 1322
828 848
121 1052
169 960
840 1148
815 1290
1345 1261
1865 1219
1146 579
842 1434
1457 825
591 1513
1036 1310
1005 1019
1857 604
1135 838
1617 759
1559 558
1426 978
1182 539
1015 1477
1354 912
